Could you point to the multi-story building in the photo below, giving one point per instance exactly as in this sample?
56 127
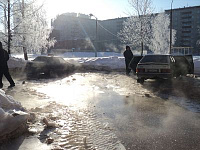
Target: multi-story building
78 31
186 22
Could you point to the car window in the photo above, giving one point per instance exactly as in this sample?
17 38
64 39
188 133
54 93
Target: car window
44 59
155 59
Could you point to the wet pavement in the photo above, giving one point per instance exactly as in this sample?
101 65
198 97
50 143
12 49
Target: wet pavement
111 111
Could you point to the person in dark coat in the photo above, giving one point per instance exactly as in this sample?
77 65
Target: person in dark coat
4 57
128 56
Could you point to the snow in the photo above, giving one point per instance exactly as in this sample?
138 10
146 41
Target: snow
16 63
196 60
111 60
89 54
8 121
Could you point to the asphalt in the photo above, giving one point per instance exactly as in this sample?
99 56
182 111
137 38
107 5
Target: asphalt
141 117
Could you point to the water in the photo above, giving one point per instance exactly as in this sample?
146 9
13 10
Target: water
112 110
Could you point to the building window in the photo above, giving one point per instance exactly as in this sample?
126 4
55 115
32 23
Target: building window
186 27
188 17
186 13
186 31
186 22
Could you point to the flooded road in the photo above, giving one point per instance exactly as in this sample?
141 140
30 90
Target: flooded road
110 111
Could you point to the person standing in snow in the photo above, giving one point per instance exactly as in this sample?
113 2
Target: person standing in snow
128 56
4 57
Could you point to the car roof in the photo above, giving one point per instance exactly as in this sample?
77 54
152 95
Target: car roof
159 55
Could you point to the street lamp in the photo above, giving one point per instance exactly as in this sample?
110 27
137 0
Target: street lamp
170 42
96 33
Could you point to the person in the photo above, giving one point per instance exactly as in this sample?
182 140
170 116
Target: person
128 56
4 57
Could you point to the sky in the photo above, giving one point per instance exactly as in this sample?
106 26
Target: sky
107 9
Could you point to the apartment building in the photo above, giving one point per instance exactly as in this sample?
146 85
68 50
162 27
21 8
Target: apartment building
79 31
186 21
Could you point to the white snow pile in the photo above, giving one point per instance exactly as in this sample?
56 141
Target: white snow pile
89 54
109 62
12 115
16 63
196 60
105 59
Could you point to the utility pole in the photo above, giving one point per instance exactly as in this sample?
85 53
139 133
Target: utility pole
96 38
170 42
9 30
96 33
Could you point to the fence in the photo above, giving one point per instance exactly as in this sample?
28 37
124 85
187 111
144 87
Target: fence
182 50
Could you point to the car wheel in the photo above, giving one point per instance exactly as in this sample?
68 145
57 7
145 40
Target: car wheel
141 80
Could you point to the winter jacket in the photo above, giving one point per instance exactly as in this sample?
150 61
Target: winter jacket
128 55
4 57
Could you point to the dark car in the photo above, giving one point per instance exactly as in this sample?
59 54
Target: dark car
133 64
164 66
48 66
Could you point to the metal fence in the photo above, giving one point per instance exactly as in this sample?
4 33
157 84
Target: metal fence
182 50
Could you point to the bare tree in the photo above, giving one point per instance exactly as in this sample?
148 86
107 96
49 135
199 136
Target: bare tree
29 29
160 42
137 29
6 20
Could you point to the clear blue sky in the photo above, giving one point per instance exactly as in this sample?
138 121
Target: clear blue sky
166 4
107 9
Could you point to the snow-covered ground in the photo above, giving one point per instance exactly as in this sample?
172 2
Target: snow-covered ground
12 115
111 60
196 60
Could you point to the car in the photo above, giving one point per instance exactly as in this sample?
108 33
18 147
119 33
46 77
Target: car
134 61
48 66
164 67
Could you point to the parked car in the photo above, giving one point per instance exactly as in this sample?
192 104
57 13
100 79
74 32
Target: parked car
164 66
133 64
48 66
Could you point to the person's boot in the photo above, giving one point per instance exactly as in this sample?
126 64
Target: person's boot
12 85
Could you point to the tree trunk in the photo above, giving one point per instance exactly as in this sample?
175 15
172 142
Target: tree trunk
25 53
142 46
24 48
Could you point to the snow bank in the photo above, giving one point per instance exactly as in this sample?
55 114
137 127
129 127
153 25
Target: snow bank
196 60
12 115
7 102
89 54
16 63
110 62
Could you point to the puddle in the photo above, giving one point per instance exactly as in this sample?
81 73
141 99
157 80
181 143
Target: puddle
106 111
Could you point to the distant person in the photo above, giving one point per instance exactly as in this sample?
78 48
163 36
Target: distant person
4 57
128 56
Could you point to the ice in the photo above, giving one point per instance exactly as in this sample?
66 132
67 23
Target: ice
12 114
8 103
